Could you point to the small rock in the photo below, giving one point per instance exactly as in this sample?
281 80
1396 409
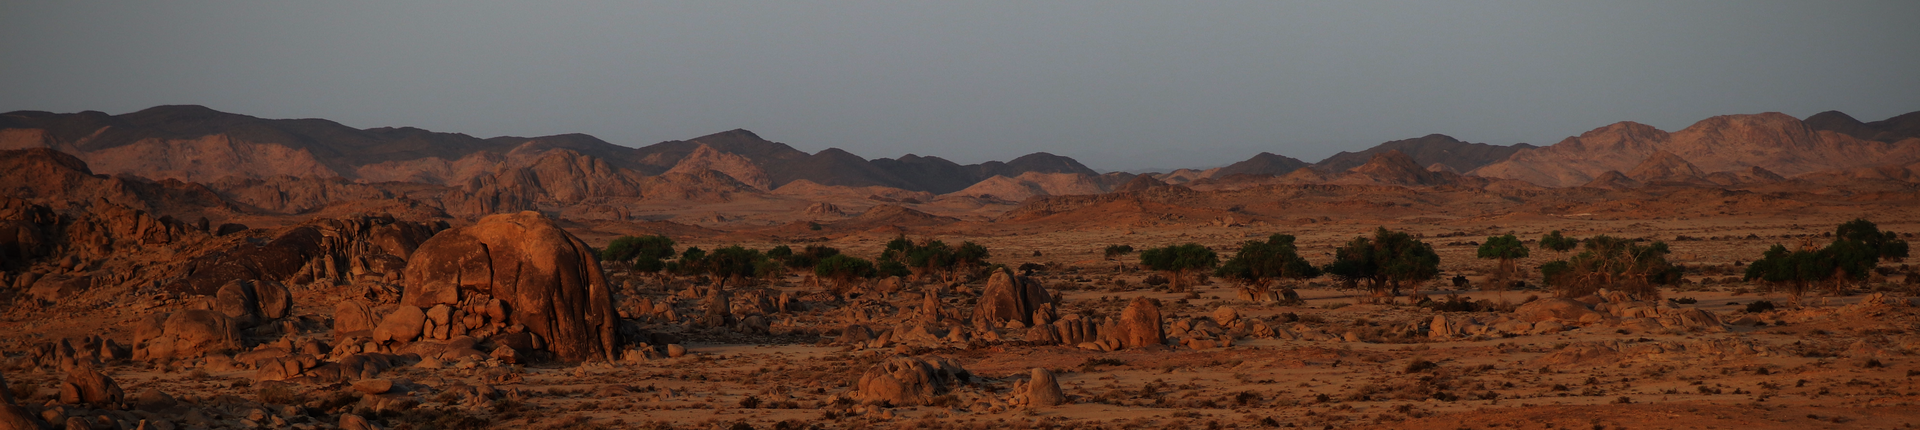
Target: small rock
373 386
676 350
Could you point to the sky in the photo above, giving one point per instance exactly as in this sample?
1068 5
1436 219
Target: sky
1114 84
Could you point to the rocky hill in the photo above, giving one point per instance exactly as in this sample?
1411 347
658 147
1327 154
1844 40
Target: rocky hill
1774 141
1426 150
198 144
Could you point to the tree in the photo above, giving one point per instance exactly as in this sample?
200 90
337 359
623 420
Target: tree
969 257
1793 270
810 256
1613 263
1258 263
931 256
646 252
733 263
1386 262
843 269
1858 246
1506 249
1558 243
692 261
1118 250
1178 261
1883 245
780 252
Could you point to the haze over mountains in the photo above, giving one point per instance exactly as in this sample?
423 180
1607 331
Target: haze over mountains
268 157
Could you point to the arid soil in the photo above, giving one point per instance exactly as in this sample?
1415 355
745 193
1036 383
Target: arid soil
1333 360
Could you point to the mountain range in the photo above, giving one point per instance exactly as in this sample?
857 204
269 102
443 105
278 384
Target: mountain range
240 154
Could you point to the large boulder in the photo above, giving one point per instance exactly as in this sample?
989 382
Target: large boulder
351 317
1553 308
251 303
1140 324
1009 297
909 381
85 384
187 334
1044 390
404 324
549 280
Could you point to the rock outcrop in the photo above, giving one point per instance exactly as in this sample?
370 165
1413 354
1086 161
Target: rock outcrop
1554 308
1009 297
1043 390
909 381
1140 325
516 269
86 385
185 334
14 417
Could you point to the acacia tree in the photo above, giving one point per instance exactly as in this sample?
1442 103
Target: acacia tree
645 252
1858 247
1118 250
692 261
1178 261
1258 263
1558 243
809 256
1613 263
1388 261
932 257
843 269
733 263
1506 249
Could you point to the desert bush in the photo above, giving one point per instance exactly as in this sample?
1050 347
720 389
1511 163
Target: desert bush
1613 263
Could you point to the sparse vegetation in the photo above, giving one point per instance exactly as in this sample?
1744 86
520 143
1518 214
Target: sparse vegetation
1387 262
1178 262
1613 263
1506 249
1258 263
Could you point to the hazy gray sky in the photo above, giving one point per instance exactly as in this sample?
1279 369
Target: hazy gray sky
1114 84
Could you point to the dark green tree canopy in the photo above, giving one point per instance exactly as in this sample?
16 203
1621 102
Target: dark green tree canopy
1176 258
646 252
1388 261
1558 243
1858 246
1179 260
810 256
931 256
1258 262
1867 236
780 252
733 262
1118 250
1505 247
843 269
